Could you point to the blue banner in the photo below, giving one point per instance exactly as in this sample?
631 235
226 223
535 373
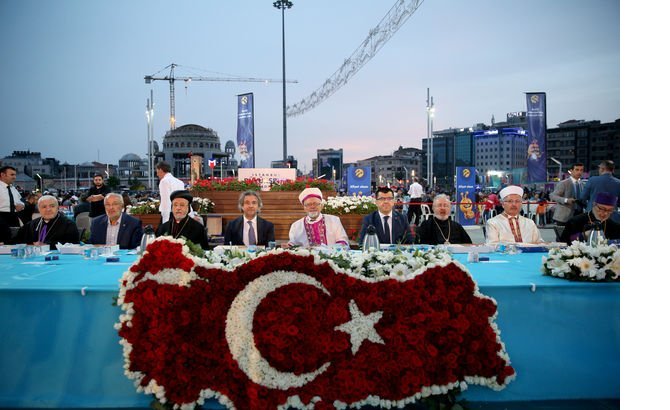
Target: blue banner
465 195
537 131
245 130
358 180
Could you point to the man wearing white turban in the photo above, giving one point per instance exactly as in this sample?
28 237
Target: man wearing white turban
316 229
510 226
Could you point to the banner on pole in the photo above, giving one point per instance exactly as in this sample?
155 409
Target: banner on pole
245 130
465 195
359 180
537 136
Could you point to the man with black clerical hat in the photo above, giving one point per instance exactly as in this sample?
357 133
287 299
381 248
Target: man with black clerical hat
579 227
182 225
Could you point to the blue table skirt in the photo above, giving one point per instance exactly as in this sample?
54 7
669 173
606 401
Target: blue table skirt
59 347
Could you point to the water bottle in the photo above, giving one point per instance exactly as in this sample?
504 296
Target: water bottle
147 238
596 237
370 241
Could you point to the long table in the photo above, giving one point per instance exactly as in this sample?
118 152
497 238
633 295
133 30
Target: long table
59 347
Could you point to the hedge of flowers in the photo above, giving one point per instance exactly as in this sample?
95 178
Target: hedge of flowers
347 205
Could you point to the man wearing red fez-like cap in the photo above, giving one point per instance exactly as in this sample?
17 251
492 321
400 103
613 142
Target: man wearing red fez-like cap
579 227
316 229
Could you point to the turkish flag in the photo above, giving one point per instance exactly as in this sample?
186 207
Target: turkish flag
283 328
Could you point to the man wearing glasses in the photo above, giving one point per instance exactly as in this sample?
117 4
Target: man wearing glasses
316 229
605 182
579 227
391 226
510 226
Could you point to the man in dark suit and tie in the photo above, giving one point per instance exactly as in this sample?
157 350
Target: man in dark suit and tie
567 194
392 227
116 227
249 229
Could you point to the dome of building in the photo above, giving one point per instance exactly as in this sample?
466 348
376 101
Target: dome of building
130 157
188 140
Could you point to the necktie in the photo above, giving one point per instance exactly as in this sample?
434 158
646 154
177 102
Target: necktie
252 234
516 231
578 190
11 199
386 238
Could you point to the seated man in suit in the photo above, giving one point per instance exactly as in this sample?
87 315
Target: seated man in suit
116 227
510 226
579 226
181 224
50 228
392 227
316 229
249 229
439 228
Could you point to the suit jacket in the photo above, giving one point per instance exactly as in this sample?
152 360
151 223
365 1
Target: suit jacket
130 231
400 232
601 183
194 231
564 190
61 230
235 231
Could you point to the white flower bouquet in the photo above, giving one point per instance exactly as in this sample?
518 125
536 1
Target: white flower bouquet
203 205
581 262
346 205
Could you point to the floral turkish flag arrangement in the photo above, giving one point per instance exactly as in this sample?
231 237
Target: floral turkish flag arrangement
289 328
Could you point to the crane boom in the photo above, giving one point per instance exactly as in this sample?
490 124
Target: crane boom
171 78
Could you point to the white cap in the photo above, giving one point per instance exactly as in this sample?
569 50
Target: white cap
509 190
309 193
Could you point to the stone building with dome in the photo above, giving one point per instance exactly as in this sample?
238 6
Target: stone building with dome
191 139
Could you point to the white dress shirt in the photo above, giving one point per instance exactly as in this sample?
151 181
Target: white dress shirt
415 190
245 234
4 197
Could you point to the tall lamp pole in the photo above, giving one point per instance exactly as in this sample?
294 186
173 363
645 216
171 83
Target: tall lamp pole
282 5
430 110
150 139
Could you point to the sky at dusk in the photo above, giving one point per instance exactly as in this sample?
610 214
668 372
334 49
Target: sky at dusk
73 71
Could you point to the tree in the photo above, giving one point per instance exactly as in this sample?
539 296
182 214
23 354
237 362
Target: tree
113 182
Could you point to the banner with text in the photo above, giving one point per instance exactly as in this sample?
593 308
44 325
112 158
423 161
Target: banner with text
537 131
465 195
245 130
268 176
358 180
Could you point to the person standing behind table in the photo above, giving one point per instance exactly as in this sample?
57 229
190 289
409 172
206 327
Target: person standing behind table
26 214
391 226
509 226
168 184
10 199
605 182
181 225
249 229
50 228
567 194
96 195
439 228
116 227
579 227
415 197
316 229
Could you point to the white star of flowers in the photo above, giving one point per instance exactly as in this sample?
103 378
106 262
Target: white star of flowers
361 327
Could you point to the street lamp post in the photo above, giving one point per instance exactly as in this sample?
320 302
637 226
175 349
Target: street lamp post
430 111
150 139
282 5
40 177
560 167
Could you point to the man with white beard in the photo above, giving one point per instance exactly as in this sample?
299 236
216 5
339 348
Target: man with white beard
439 228
316 229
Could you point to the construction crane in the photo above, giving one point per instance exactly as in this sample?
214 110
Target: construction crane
171 79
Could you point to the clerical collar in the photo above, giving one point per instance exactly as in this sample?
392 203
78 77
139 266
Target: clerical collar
311 221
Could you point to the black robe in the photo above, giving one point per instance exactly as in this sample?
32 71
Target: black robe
192 230
59 230
429 232
579 226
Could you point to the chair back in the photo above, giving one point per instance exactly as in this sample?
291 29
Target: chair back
83 221
425 212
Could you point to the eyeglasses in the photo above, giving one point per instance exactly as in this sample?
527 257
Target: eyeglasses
604 210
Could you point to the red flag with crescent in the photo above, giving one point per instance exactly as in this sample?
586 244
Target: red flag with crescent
290 328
